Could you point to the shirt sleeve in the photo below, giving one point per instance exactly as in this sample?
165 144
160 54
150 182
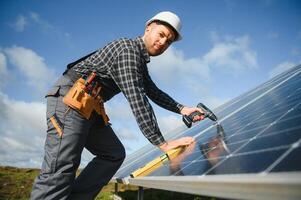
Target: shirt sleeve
128 77
159 97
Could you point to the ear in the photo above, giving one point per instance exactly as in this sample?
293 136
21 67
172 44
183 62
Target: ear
148 28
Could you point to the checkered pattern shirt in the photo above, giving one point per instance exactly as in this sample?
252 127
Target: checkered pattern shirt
122 66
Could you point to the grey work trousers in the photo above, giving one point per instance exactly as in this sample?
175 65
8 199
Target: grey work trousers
57 178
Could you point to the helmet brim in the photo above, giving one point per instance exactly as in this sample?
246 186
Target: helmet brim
178 35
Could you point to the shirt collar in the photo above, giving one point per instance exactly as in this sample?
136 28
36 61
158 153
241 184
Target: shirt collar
143 49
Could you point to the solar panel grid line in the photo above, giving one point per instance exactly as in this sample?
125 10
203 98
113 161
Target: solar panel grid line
243 97
239 154
129 164
145 154
283 147
245 116
248 139
288 86
292 147
130 160
289 130
230 144
171 135
268 149
240 132
137 158
286 73
243 127
252 101
251 92
252 138
228 137
291 83
231 135
123 169
273 110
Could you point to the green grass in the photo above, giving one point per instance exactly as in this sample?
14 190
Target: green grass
16 183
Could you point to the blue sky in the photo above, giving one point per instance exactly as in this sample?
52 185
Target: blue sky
228 48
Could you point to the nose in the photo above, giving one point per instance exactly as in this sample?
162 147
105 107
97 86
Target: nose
163 41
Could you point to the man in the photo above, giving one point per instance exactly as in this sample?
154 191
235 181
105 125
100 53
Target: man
120 66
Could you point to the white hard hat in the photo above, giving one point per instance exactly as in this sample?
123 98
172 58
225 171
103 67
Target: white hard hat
171 19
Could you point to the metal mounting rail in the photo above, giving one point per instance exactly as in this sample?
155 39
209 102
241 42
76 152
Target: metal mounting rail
272 186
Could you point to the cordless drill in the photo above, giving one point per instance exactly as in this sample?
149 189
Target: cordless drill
207 113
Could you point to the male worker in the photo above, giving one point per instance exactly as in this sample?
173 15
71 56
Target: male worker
120 66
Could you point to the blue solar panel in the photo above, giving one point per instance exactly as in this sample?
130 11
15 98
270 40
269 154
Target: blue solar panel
258 132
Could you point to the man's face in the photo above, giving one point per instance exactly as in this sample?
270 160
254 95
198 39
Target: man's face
157 38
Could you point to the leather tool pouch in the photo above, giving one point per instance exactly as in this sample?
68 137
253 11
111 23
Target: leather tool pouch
78 99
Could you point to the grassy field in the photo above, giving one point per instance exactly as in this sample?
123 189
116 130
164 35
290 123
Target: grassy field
16 183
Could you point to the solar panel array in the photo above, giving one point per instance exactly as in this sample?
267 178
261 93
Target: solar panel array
258 133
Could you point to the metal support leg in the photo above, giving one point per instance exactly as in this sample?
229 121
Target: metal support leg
140 193
115 195
116 188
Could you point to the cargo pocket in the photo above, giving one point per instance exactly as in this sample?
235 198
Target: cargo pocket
54 131
52 101
54 91
52 144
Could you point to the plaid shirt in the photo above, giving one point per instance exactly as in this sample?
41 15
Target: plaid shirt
121 66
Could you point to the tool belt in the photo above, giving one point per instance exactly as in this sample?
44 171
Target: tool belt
84 96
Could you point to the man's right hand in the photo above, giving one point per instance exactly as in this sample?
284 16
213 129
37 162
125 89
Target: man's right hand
184 141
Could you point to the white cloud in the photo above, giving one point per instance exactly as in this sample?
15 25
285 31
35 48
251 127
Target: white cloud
233 55
43 24
22 132
229 56
281 68
20 23
3 69
23 124
118 108
169 123
3 64
45 27
127 134
31 65
172 65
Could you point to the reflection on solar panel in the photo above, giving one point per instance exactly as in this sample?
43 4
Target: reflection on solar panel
256 143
